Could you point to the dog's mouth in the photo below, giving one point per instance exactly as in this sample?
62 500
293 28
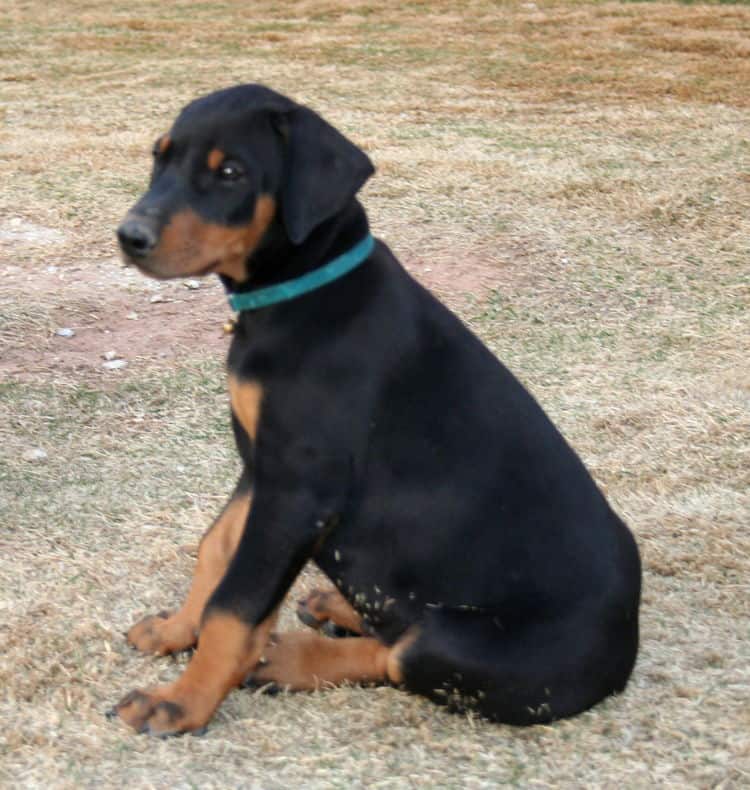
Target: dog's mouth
153 266
212 268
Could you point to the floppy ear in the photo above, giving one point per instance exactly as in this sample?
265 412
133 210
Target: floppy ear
324 171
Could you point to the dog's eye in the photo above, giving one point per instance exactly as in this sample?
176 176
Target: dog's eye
230 171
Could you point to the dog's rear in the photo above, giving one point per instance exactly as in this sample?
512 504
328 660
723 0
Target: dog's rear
472 522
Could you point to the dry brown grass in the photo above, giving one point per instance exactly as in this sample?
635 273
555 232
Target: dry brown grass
573 178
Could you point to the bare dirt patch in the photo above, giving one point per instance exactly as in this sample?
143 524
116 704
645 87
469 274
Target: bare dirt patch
107 312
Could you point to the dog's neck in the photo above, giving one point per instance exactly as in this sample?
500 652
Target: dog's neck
277 260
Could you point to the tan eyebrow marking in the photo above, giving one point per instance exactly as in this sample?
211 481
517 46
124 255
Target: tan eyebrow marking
163 143
215 158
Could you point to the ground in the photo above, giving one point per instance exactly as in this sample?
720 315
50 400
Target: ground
573 178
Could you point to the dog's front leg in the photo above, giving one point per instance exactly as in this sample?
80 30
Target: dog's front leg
287 522
169 632
229 647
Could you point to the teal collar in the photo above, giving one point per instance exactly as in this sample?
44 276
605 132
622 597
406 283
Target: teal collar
291 289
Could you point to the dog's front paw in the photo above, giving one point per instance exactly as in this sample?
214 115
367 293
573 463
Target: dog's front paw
162 633
157 713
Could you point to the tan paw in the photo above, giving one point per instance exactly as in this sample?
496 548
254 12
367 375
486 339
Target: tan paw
159 713
329 610
161 634
314 610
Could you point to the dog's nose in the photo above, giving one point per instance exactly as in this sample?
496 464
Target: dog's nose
137 237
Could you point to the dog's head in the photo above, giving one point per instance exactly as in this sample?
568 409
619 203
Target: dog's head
235 163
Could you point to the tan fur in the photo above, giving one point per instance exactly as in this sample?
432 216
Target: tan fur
246 398
304 660
215 158
163 143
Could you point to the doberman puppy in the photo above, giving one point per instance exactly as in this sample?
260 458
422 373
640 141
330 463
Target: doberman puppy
472 554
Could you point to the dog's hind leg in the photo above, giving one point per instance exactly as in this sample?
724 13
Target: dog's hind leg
521 673
304 661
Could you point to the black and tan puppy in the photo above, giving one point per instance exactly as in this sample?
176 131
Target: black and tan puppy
468 545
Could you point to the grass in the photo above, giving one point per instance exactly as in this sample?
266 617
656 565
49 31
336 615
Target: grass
573 178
